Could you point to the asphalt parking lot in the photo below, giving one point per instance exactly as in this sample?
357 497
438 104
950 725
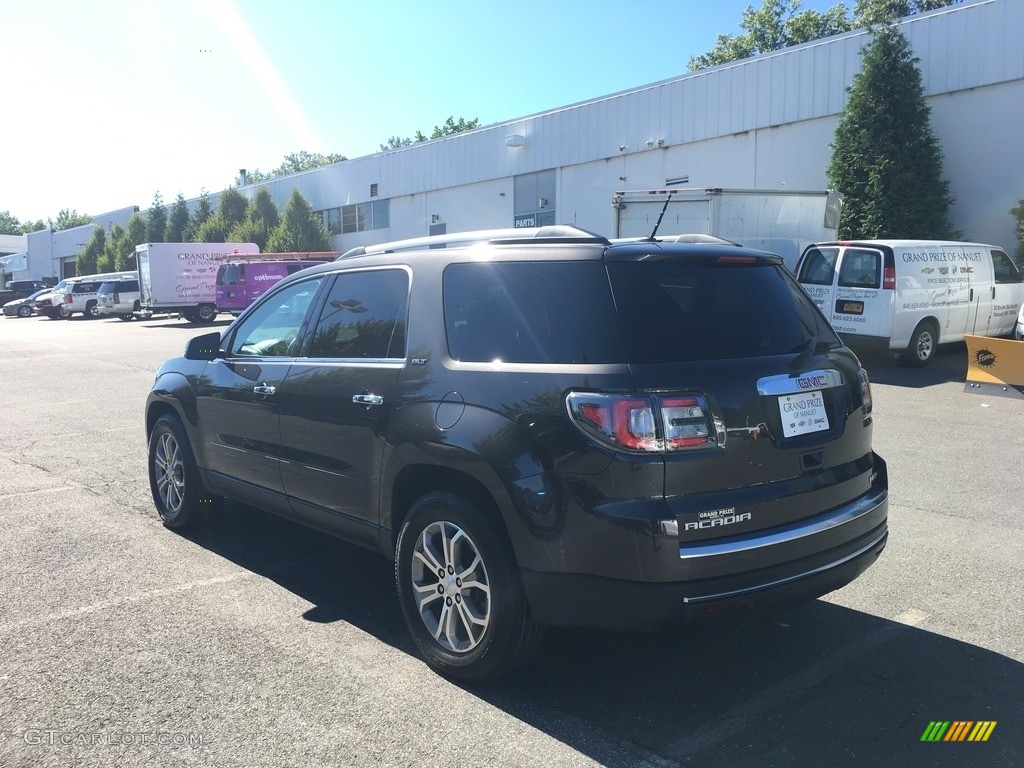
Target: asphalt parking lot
254 642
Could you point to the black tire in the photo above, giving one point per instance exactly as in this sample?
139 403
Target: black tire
922 345
24 311
126 316
206 313
63 312
92 311
174 481
490 631
189 315
50 314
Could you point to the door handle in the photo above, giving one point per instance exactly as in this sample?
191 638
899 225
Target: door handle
264 389
993 292
368 399
971 298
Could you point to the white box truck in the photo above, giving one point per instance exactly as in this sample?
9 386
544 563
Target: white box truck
781 221
907 296
182 277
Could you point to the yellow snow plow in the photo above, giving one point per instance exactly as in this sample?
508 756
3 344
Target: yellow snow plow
995 366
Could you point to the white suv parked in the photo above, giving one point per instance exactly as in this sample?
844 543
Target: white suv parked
119 297
78 294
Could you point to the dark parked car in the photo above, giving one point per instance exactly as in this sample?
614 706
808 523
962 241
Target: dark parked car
19 289
542 428
23 307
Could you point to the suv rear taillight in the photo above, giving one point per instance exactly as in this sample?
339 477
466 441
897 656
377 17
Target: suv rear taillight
865 393
649 423
117 298
68 298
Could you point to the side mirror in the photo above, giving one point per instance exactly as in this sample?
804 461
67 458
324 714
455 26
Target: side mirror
205 347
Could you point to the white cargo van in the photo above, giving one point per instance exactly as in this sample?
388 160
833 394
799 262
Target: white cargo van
909 295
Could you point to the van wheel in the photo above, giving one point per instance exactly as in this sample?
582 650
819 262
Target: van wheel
206 313
92 311
63 312
460 592
922 345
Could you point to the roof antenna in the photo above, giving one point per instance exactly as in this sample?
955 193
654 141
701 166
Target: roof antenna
660 217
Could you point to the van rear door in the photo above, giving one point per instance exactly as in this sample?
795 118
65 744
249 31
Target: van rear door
816 272
860 306
1007 294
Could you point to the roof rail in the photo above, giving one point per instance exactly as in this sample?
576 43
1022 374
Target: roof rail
556 233
695 237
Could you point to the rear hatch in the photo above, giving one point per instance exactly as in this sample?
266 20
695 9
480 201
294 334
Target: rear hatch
757 404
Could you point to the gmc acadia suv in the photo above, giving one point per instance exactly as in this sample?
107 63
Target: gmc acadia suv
541 428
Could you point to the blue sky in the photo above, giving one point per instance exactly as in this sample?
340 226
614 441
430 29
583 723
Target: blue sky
113 100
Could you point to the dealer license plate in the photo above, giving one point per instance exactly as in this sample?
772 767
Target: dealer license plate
803 413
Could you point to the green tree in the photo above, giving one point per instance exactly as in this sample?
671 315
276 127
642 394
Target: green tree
137 230
885 159
32 226
177 221
231 208
779 24
299 229
869 12
87 260
156 220
776 24
68 219
296 162
260 220
1018 214
123 248
9 225
108 257
202 212
395 142
213 230
448 128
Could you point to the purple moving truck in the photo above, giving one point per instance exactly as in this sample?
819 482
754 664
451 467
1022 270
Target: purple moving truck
239 284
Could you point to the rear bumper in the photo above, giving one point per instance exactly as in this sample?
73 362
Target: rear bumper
865 342
575 600
765 571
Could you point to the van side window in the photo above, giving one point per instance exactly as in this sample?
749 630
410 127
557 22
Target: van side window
1005 270
819 266
861 268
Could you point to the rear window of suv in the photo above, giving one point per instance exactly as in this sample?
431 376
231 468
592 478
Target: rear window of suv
672 311
530 312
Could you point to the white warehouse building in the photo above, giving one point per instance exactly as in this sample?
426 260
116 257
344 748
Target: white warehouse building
760 123
764 123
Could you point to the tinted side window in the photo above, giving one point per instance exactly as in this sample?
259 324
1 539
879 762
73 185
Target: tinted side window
364 317
227 274
530 312
818 266
689 311
89 287
861 268
1005 270
273 326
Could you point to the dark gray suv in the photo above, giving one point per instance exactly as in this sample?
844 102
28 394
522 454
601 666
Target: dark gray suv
540 428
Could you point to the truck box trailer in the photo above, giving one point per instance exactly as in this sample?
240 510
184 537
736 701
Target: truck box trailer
182 277
783 222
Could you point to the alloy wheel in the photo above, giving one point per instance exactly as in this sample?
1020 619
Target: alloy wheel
170 472
450 587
